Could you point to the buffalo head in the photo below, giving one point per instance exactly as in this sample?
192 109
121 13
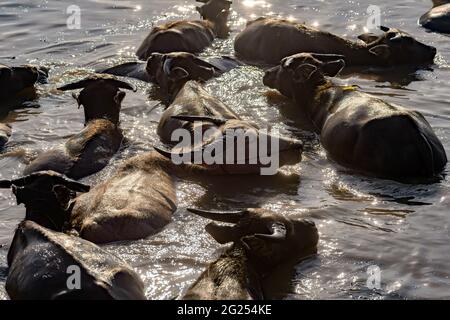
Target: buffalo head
14 80
47 196
216 11
100 97
172 70
268 238
395 47
300 74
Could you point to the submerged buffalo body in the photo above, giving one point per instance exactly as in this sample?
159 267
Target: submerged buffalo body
188 36
358 130
394 47
41 261
42 258
17 84
192 100
90 150
261 241
83 154
198 113
138 201
438 18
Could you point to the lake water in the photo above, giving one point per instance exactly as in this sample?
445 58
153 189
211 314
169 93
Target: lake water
363 222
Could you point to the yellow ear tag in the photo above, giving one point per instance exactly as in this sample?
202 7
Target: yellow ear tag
350 88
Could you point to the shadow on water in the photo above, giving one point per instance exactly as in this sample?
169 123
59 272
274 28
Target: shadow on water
235 192
398 77
27 99
279 284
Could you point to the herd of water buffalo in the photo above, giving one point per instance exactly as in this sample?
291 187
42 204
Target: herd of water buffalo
66 219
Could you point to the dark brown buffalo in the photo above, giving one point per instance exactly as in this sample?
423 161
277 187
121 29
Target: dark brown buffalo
189 36
42 258
392 48
438 18
196 111
170 71
356 129
90 150
262 240
41 261
17 84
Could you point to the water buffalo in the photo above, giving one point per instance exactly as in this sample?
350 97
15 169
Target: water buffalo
236 146
40 254
191 100
394 47
170 71
90 150
261 241
136 202
356 129
41 262
5 133
17 84
438 18
47 197
189 36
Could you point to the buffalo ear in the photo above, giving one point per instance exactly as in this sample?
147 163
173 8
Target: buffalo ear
381 51
120 95
77 98
222 234
368 37
199 10
63 195
304 72
333 68
178 73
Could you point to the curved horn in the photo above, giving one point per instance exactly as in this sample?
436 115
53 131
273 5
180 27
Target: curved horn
204 63
222 216
167 65
385 29
77 85
278 232
165 153
187 156
216 121
327 57
395 38
72 184
85 82
59 179
122 84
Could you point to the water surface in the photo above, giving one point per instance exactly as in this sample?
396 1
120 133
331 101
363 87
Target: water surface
403 229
